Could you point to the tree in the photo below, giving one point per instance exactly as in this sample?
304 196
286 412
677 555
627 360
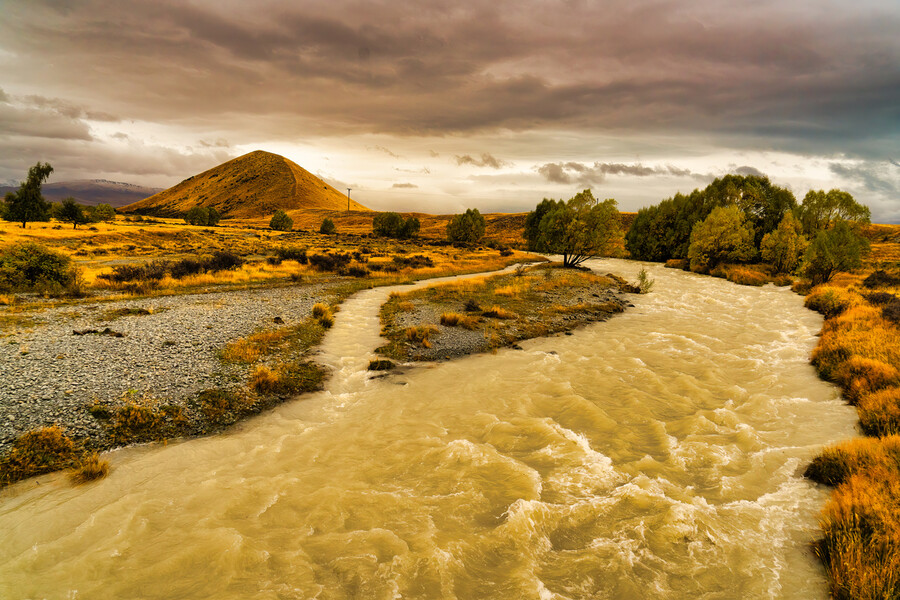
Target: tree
27 204
820 210
327 227
783 247
212 216
393 225
281 222
467 227
724 236
832 250
102 212
533 222
203 216
71 212
579 229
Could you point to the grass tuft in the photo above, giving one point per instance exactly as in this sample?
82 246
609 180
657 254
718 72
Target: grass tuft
89 469
37 452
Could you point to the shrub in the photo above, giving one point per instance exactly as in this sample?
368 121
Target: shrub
329 262
830 301
471 305
292 253
645 284
891 312
677 263
36 452
356 271
880 278
882 298
859 375
327 227
281 221
417 261
27 266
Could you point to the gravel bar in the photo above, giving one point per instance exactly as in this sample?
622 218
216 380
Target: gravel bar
48 373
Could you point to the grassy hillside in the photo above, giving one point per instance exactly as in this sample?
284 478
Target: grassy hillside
254 185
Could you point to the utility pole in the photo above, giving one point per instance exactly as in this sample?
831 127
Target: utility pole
348 199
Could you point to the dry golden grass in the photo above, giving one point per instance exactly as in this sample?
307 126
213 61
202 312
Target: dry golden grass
251 348
498 312
453 319
421 334
859 349
264 380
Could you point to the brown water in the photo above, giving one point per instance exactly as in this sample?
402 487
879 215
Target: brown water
656 455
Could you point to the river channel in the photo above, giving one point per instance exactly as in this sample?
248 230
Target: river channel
656 455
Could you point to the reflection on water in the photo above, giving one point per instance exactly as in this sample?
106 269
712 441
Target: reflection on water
656 455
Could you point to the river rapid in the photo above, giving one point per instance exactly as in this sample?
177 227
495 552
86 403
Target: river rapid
656 455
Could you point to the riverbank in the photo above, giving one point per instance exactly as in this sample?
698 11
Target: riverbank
480 315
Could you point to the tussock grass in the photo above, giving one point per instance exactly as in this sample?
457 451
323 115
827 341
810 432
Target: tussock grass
420 334
145 419
89 469
498 312
453 319
287 379
37 452
251 348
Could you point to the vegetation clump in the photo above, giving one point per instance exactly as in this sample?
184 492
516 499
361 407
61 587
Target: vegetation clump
91 468
37 452
27 203
206 216
280 221
467 227
29 267
578 229
393 225
327 227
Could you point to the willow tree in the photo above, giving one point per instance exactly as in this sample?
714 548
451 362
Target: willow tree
578 229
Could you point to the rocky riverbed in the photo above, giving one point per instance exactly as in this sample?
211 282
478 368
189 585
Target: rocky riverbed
57 361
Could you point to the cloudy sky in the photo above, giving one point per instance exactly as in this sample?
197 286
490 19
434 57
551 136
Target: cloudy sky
439 106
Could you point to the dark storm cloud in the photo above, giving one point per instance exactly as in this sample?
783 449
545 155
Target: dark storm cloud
872 177
575 172
486 160
786 70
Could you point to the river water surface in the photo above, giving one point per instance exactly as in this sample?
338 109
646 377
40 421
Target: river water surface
656 455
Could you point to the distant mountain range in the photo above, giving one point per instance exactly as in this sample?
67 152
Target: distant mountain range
90 191
250 186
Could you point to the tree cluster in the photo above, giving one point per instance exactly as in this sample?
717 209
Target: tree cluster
206 216
744 218
467 227
393 225
69 211
579 228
